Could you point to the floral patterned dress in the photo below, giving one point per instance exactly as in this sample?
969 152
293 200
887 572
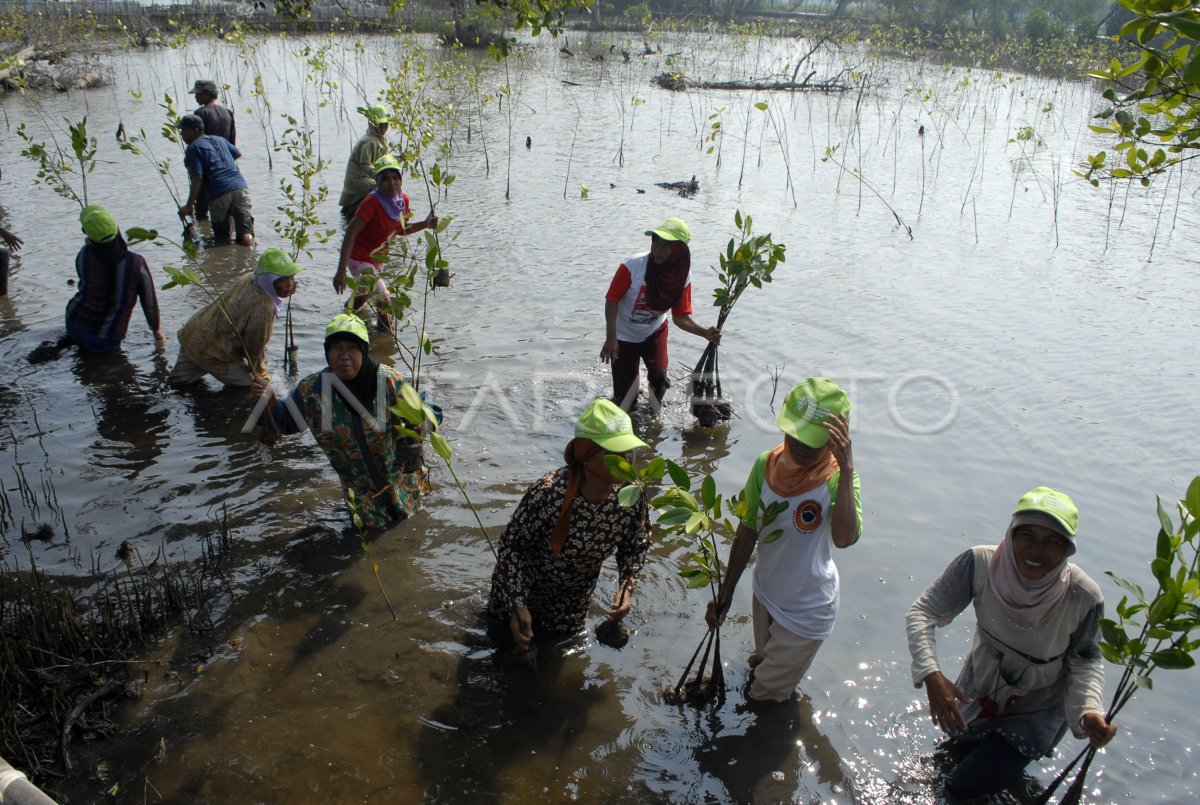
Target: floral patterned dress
557 590
385 470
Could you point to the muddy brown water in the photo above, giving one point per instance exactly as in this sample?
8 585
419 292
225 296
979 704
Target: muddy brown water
994 351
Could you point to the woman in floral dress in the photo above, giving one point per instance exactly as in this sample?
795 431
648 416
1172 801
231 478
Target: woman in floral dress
566 525
347 406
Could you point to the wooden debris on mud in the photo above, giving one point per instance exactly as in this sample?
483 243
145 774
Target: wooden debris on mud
684 189
677 82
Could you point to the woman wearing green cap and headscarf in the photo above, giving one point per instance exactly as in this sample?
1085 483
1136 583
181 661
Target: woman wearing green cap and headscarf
111 280
382 214
566 525
644 290
802 501
220 338
360 176
1035 667
348 408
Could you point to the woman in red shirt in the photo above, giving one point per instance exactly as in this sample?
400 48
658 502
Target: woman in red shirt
382 214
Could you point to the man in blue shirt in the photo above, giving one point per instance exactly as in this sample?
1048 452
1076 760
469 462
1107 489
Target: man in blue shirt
211 164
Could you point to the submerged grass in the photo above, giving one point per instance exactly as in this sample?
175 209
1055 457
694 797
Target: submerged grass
66 644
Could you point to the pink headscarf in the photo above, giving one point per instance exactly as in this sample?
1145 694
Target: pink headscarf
1027 602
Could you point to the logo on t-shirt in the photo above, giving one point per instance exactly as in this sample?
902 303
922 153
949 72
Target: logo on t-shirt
807 516
642 313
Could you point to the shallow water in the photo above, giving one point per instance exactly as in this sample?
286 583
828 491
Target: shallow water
992 352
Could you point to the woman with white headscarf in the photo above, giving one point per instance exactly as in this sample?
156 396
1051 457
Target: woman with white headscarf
1035 667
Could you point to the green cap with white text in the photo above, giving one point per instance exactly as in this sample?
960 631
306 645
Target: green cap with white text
378 114
806 408
608 426
387 162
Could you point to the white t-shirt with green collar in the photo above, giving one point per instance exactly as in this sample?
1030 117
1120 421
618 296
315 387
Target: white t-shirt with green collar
795 577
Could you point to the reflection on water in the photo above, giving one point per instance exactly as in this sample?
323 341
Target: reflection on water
1012 342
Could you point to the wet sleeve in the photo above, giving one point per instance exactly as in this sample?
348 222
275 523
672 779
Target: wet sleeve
620 285
146 294
257 320
635 542
1085 671
288 414
941 602
514 570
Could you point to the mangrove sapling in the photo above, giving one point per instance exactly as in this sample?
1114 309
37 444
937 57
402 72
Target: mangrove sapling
857 174
56 166
748 260
1150 633
701 520
421 422
363 539
300 223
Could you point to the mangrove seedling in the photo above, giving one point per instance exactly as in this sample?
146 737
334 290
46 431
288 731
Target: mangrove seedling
55 165
355 506
700 520
1150 633
748 260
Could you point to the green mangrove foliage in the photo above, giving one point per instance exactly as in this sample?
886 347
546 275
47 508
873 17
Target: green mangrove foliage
1154 96
748 260
56 166
1151 632
698 519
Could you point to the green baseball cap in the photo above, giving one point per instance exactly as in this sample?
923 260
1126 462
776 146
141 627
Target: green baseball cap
608 426
276 261
1050 508
348 323
387 162
378 114
672 229
98 224
806 408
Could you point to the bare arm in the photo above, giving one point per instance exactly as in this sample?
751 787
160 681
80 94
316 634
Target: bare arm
339 279
193 194
739 556
845 507
686 323
608 352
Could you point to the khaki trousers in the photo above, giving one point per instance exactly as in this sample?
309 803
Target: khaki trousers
781 658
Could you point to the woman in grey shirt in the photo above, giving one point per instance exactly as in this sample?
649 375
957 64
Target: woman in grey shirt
1035 667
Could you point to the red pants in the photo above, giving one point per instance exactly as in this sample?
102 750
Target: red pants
625 370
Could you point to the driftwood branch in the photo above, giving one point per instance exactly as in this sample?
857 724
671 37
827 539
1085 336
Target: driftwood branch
104 691
677 82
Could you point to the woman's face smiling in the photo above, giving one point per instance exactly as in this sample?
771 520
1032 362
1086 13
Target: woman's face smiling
391 183
1037 550
345 359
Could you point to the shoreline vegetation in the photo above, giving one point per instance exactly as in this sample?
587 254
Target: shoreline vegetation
69 37
70 644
